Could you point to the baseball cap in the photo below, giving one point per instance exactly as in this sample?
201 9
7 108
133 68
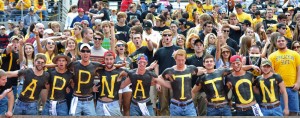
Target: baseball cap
84 22
238 5
266 62
48 31
30 10
85 45
246 22
14 38
97 22
142 57
109 53
2 27
280 25
182 21
235 58
152 6
198 40
80 10
147 25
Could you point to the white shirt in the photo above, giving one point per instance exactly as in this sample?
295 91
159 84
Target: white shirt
154 36
69 19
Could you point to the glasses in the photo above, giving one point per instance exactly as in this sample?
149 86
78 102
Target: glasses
283 28
179 39
3 29
296 47
39 62
223 52
167 35
226 31
50 43
85 51
287 15
120 45
97 39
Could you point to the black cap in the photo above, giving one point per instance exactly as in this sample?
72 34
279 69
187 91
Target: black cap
153 6
246 22
182 21
257 12
238 5
198 40
147 25
280 25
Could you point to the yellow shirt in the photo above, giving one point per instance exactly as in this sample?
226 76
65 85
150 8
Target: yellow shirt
1 5
200 10
131 46
37 7
285 64
256 21
244 16
189 9
78 40
27 5
208 8
288 33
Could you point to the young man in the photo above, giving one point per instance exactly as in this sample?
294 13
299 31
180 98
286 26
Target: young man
84 72
6 93
287 64
108 101
35 79
240 81
59 80
180 77
270 86
207 28
141 80
121 27
160 24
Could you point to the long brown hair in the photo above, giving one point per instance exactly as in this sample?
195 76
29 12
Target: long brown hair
262 35
296 36
245 45
32 56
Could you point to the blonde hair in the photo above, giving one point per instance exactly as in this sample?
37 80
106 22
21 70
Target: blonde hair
206 39
179 52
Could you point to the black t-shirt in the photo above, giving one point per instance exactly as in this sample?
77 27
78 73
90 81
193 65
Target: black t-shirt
160 29
109 83
106 14
33 84
58 84
130 15
181 81
196 61
242 88
7 85
268 23
60 47
182 32
164 57
236 34
269 88
230 42
142 50
122 32
84 76
141 84
253 60
10 63
213 85
189 52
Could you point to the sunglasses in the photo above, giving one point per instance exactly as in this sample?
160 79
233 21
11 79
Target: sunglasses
97 38
283 28
120 45
225 52
296 47
39 62
226 31
50 43
167 35
85 51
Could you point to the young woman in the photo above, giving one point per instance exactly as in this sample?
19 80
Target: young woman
296 36
296 46
77 33
71 49
180 41
125 93
260 30
210 41
190 44
247 42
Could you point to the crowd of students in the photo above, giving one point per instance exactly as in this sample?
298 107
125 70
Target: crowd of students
207 59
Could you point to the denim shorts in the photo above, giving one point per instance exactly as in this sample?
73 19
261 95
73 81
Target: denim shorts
223 111
61 108
113 108
26 108
276 111
293 100
3 105
188 110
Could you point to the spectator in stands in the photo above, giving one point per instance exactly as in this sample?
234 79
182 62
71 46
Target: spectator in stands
151 34
55 26
174 29
10 27
85 4
22 28
1 7
160 24
108 31
40 9
81 17
16 32
103 14
97 26
133 12
208 7
190 8
152 9
113 16
77 33
3 38
182 27
31 17
22 5
71 15
122 28
241 16
97 49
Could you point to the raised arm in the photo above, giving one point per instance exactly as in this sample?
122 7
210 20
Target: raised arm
218 47
112 37
38 41
149 44
21 52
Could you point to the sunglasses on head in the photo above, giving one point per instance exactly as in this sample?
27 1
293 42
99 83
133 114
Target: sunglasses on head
85 51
